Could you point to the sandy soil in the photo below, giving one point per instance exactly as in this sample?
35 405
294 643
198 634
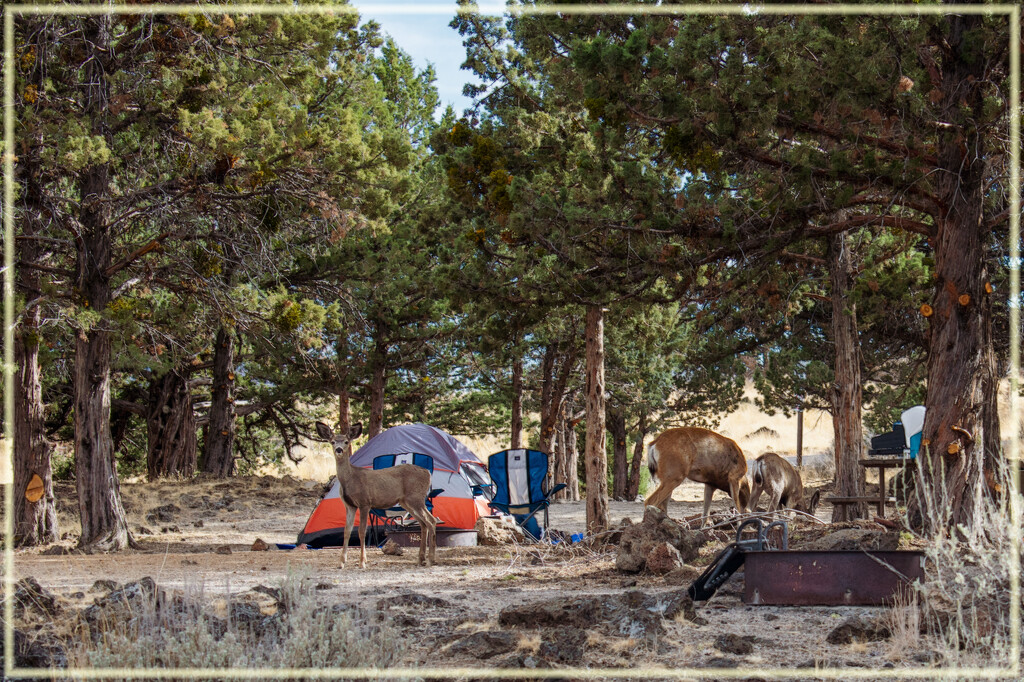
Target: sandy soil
205 541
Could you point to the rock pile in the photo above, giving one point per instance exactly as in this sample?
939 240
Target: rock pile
498 530
657 543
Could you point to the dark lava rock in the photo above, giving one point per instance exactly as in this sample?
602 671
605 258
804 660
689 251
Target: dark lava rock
124 605
103 585
565 646
163 513
412 599
740 645
486 644
31 597
58 550
663 559
634 614
859 629
720 663
639 539
579 612
41 651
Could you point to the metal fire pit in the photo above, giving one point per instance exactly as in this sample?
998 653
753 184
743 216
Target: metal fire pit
863 578
448 537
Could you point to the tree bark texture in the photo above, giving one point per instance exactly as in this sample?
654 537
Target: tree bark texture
104 525
846 392
633 484
344 411
517 402
35 523
218 454
170 427
572 461
961 426
620 467
559 456
596 457
554 379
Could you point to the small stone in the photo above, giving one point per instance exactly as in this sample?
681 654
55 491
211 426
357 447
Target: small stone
740 645
223 549
392 548
259 546
56 550
858 629
106 586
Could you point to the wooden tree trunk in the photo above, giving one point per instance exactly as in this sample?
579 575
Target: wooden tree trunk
559 456
572 465
548 412
35 522
554 379
35 519
961 429
633 485
846 393
596 458
517 402
344 411
218 455
104 525
620 467
170 427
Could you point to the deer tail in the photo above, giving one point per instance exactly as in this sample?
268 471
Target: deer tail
652 460
758 473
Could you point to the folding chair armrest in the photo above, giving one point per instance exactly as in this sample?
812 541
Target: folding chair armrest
558 487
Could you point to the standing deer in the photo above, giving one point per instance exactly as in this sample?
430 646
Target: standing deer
781 480
700 455
405 485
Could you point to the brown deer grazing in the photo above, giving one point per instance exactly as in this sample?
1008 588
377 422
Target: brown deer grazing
405 485
781 480
700 455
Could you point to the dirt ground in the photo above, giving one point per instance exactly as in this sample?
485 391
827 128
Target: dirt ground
205 538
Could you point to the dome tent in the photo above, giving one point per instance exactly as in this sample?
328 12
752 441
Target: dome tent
456 470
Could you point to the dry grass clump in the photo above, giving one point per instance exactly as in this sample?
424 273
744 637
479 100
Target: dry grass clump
182 632
963 609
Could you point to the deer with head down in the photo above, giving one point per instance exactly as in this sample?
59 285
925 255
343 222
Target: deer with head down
700 455
780 479
405 485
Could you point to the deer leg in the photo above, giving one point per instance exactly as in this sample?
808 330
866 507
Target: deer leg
775 502
709 490
734 492
364 516
428 534
755 495
661 495
350 513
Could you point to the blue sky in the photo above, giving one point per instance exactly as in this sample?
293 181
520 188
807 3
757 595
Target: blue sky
421 29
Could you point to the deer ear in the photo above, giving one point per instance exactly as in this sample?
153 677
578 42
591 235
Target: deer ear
815 498
324 431
356 429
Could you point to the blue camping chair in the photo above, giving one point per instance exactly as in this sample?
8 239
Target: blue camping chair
394 517
518 477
